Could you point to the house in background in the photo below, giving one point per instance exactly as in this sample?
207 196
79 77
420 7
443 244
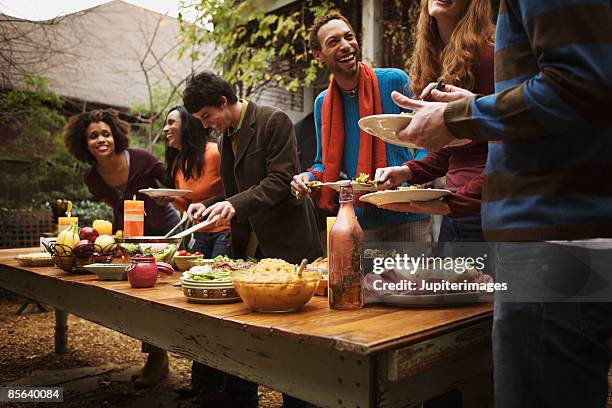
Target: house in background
108 55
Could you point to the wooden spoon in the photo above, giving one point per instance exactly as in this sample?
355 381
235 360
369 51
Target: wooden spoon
300 268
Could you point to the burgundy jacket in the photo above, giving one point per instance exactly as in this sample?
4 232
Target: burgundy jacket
145 171
464 165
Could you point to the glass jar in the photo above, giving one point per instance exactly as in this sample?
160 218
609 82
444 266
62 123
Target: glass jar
142 272
345 247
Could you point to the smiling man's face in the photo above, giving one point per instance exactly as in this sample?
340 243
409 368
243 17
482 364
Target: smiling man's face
216 117
339 48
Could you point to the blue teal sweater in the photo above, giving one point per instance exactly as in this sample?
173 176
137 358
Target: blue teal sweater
389 79
549 171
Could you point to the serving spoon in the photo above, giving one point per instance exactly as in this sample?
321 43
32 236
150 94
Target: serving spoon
181 222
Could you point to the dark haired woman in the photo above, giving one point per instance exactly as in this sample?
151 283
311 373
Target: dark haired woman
192 163
117 172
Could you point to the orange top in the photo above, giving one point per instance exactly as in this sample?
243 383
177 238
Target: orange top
205 186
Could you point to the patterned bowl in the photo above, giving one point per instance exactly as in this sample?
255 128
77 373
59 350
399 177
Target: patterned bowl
199 292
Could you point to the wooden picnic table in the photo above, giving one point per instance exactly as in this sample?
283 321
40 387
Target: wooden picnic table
374 357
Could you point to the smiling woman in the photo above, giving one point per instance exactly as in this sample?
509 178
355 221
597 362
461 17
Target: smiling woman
101 138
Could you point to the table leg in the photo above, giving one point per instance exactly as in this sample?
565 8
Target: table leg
61 331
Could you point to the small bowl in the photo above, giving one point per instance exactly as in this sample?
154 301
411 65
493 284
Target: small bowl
184 262
161 248
197 292
276 296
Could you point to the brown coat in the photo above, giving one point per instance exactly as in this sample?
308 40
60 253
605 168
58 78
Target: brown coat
256 182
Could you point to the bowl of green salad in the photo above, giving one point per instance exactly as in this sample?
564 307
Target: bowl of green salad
161 248
205 284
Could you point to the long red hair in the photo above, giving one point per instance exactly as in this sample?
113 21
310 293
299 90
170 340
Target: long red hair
457 62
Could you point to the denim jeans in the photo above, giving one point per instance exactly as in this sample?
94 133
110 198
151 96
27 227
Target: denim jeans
467 229
550 353
211 244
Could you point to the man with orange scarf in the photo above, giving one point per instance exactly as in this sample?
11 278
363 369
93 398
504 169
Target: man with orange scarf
356 91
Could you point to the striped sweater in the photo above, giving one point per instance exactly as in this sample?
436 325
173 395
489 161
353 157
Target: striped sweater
549 171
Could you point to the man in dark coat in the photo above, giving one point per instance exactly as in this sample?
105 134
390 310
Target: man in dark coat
258 155
258 160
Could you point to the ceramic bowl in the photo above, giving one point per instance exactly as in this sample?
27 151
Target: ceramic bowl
184 262
200 292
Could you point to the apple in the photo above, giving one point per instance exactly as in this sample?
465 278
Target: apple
89 234
83 248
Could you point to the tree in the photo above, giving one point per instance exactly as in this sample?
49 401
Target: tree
259 48
34 164
163 88
32 47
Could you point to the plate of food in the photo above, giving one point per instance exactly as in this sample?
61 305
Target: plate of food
360 184
428 286
386 127
404 195
163 192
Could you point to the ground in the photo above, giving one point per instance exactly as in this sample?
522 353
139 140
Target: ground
96 369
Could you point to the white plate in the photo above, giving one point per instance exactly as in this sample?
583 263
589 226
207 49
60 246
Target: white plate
357 187
163 192
108 271
403 196
387 126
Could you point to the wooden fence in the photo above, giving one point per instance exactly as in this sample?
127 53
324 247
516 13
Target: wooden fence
19 228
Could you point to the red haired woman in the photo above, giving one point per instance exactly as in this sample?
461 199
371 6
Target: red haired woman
454 43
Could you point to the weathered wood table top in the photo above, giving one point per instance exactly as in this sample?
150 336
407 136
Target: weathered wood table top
208 333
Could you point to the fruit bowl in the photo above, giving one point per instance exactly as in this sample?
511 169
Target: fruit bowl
161 248
74 261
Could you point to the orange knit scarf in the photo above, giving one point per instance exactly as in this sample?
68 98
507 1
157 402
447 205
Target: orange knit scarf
372 153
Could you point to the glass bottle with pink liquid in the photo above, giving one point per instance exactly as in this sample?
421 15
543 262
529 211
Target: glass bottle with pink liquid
345 247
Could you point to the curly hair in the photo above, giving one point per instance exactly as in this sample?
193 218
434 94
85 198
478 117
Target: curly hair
313 30
457 62
206 89
190 159
75 132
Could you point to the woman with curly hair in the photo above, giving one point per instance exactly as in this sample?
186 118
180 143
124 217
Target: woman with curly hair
454 44
117 172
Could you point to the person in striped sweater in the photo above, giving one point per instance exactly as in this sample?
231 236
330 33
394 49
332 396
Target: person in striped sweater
355 91
547 178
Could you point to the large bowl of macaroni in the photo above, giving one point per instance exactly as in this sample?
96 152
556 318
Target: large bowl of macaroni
273 285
